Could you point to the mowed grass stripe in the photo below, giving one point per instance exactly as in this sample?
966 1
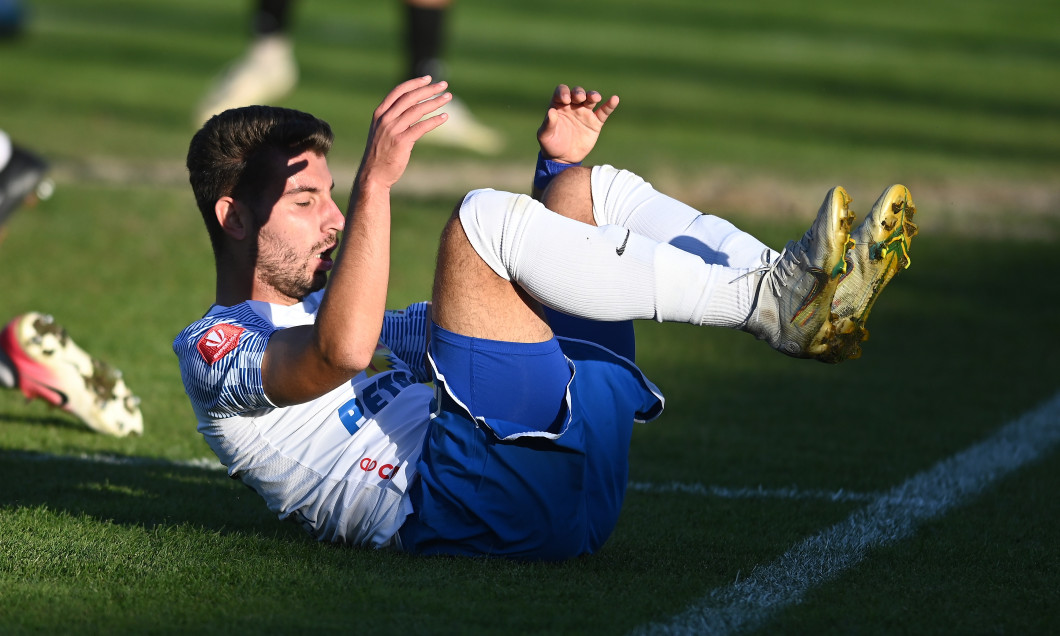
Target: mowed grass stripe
749 603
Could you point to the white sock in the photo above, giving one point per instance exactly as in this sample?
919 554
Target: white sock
604 273
622 198
7 371
5 149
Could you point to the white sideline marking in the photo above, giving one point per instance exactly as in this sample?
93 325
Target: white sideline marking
747 604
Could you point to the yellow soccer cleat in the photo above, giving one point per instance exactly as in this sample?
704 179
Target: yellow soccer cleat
880 251
794 293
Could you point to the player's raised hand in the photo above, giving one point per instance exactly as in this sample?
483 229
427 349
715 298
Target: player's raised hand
573 123
397 124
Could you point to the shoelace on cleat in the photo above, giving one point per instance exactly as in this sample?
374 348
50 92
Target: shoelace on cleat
786 263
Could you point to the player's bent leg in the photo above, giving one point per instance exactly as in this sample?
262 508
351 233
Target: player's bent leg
500 387
475 297
621 197
570 194
792 307
49 365
483 323
526 456
880 251
601 273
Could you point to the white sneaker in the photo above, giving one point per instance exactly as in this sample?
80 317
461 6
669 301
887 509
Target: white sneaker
50 366
462 130
881 250
266 72
794 294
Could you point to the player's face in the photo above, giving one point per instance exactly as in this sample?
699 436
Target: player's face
297 240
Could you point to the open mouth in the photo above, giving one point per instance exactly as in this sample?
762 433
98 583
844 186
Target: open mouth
325 258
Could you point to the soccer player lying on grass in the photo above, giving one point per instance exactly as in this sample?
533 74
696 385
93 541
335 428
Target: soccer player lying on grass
322 401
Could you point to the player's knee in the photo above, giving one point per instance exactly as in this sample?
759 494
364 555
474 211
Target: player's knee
492 222
570 194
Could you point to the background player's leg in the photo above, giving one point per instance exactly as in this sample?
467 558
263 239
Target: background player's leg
425 39
265 73
272 17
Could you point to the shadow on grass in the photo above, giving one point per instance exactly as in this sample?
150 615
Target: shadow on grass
137 494
40 420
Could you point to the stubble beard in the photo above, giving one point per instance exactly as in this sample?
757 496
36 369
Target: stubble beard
286 271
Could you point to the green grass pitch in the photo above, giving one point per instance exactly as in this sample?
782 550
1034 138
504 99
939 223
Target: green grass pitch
748 110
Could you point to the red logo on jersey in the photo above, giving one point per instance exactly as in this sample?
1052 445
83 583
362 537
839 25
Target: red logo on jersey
218 342
386 471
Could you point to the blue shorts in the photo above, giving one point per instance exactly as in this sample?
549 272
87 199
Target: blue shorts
549 489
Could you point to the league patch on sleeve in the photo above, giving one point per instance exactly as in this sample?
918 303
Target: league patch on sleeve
218 342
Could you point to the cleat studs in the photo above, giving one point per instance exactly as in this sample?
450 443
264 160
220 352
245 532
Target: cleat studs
131 403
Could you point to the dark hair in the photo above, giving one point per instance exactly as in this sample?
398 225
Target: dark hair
229 155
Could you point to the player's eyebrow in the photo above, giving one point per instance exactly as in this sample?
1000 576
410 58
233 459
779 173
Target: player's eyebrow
304 188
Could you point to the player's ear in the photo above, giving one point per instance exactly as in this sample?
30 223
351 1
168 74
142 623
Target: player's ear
233 216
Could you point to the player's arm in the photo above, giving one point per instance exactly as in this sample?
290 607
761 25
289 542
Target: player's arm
303 363
571 128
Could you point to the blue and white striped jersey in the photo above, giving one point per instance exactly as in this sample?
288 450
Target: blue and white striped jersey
340 464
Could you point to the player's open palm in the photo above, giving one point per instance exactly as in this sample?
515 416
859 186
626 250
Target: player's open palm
573 123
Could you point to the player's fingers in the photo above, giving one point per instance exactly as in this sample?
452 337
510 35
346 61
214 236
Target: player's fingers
561 96
605 109
400 90
414 105
424 126
577 95
419 96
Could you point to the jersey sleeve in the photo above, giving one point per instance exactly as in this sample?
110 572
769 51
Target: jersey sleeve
220 364
405 334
